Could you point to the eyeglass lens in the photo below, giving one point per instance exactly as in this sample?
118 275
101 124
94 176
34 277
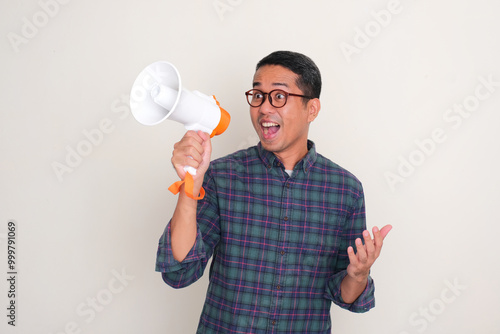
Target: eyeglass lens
256 98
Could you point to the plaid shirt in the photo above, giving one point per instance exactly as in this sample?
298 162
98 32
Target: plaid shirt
279 244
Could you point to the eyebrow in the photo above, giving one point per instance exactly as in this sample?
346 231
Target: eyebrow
275 84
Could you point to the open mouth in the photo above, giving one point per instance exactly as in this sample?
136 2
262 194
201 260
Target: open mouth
269 129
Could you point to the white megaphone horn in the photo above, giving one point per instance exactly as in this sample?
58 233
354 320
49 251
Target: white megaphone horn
157 95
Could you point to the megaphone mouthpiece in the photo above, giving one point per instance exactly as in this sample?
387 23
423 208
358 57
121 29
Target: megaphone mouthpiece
155 91
164 96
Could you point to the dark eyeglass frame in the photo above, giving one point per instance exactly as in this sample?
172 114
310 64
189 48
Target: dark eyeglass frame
250 93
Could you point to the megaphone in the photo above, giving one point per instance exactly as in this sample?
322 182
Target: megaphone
157 95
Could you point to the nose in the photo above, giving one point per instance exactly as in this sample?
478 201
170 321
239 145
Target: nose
266 107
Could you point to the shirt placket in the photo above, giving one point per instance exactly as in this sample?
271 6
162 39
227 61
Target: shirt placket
280 279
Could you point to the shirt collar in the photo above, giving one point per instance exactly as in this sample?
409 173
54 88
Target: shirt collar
270 160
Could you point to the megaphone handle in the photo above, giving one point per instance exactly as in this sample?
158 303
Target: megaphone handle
190 170
188 187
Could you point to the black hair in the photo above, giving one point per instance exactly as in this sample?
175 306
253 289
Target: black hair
309 77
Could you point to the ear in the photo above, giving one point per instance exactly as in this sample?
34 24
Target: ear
313 108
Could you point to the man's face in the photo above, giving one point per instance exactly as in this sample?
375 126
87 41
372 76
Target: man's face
284 130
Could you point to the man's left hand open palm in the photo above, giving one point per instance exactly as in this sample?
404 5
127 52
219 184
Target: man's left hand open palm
363 259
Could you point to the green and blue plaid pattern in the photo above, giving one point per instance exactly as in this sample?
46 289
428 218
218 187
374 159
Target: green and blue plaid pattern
279 244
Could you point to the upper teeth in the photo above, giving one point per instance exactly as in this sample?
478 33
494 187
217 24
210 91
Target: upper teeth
269 124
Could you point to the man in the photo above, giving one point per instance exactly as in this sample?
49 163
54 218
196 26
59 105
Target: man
285 225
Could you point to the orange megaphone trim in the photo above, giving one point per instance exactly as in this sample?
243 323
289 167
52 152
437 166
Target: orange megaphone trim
225 118
188 187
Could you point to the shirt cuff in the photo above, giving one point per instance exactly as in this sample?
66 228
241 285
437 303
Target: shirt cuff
165 261
365 301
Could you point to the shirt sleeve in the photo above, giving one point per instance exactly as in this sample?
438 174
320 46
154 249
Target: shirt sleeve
354 226
365 301
181 274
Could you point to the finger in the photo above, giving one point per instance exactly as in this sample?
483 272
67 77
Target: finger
180 164
352 256
192 153
192 144
180 159
361 251
191 139
379 236
385 230
186 156
378 240
207 144
203 135
369 245
194 135
190 161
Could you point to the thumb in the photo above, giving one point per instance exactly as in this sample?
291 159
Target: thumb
207 147
385 230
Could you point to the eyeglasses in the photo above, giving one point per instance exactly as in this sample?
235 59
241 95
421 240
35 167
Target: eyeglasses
276 97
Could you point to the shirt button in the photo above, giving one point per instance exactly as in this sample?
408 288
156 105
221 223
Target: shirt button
288 185
282 252
286 218
273 322
278 287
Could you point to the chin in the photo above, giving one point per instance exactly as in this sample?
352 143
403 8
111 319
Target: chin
269 146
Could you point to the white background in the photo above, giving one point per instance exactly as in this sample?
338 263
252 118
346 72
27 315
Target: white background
67 68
